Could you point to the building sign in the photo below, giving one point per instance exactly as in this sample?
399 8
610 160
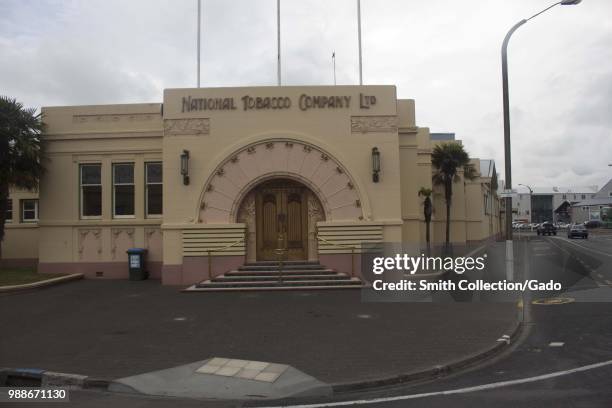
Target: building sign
248 102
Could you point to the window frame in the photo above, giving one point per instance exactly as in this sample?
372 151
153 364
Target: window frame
81 185
23 210
9 209
146 189
133 184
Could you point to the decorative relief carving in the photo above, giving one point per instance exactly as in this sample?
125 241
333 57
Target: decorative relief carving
212 206
365 124
246 213
113 118
269 145
115 233
315 212
83 233
194 126
149 232
220 172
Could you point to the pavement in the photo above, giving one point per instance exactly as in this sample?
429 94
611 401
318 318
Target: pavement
118 329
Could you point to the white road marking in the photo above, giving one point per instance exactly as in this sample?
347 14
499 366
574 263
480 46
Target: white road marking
458 390
584 247
556 344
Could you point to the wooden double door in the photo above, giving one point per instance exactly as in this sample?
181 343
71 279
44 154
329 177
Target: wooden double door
282 220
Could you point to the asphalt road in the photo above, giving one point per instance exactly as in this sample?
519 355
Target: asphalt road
564 358
557 339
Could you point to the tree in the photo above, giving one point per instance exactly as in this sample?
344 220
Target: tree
427 210
448 159
20 151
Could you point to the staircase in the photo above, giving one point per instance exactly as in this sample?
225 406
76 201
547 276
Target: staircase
265 275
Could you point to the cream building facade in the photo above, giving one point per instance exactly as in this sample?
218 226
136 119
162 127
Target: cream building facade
214 178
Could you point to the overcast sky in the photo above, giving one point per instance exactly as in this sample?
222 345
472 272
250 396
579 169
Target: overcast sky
445 54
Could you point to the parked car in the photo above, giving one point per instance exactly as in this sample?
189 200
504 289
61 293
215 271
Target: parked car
577 230
546 228
592 224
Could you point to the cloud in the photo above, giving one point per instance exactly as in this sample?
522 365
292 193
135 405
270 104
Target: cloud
442 53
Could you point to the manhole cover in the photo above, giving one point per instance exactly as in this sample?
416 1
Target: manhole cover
553 301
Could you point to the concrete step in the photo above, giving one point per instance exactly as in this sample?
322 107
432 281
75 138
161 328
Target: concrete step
303 284
298 266
258 263
268 272
275 277
196 288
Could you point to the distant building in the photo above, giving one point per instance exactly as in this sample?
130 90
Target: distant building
595 208
548 203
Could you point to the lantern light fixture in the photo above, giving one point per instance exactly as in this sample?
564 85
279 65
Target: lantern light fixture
375 164
185 166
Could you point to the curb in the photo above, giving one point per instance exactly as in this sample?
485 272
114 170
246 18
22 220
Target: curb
41 284
34 377
436 371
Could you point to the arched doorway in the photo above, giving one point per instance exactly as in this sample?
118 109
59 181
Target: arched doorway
281 214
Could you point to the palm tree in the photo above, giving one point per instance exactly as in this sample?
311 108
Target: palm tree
448 159
427 210
20 150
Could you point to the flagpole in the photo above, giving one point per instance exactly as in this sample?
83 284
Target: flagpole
334 61
359 39
198 41
278 42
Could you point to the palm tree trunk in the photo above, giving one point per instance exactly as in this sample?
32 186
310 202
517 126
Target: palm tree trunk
448 207
4 195
448 192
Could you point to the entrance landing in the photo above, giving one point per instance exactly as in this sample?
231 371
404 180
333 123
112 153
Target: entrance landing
271 275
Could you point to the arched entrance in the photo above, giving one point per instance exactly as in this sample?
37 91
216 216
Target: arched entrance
281 214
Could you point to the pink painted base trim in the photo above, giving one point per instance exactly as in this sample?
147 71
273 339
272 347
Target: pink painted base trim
195 268
91 270
29 263
342 263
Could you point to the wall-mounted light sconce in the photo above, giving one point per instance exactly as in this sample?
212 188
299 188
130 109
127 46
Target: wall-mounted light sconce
185 166
375 164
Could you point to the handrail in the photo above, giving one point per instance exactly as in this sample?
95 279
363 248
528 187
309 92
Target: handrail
352 248
209 251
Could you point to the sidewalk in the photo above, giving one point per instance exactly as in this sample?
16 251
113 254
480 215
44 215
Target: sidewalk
113 329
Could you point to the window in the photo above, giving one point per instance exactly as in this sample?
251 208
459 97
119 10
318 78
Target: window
564 196
29 210
9 211
153 199
91 190
123 190
583 196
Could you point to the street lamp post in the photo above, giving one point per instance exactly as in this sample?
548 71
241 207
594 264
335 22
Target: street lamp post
507 156
530 206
